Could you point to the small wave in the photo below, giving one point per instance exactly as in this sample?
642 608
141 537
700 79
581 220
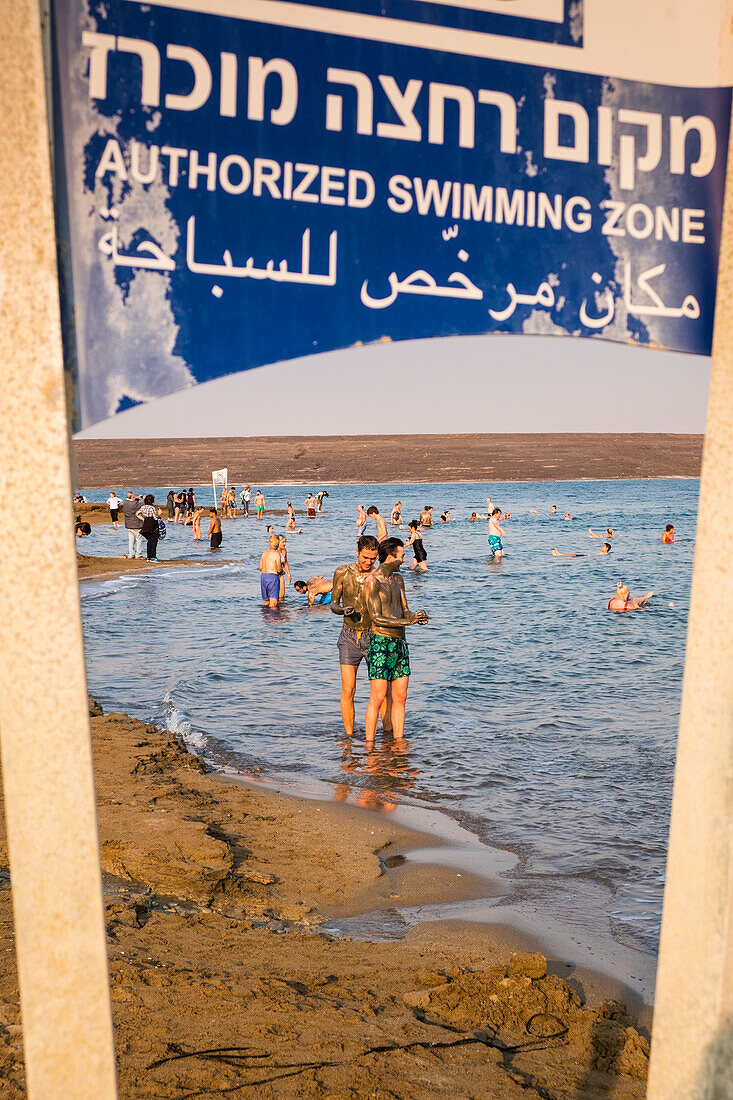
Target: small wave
178 723
102 589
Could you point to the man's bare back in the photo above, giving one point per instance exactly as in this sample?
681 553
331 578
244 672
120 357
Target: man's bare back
271 562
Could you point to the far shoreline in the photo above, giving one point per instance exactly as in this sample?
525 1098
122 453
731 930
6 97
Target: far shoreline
387 459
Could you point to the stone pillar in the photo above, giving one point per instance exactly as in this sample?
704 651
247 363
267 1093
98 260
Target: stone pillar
44 724
692 1041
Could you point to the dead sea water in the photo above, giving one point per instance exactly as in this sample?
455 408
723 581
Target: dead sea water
538 719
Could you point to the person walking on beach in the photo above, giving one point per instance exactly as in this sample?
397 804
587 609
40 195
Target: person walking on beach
361 521
388 657
318 589
133 526
347 599
373 513
495 535
246 492
271 567
624 601
115 504
420 561
259 504
214 532
426 516
149 515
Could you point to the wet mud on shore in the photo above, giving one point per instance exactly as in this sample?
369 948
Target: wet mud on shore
224 981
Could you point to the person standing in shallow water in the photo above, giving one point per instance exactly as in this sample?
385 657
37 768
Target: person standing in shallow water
420 560
271 567
214 532
496 531
373 513
388 658
347 599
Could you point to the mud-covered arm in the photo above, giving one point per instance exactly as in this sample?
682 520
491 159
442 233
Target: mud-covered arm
412 617
337 596
374 609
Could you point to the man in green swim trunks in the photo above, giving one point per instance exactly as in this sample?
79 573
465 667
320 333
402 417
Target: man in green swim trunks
388 658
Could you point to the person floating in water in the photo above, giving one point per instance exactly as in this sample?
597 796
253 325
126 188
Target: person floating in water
317 589
605 549
553 510
567 516
473 518
495 535
668 535
347 599
623 600
608 535
420 561
271 567
388 658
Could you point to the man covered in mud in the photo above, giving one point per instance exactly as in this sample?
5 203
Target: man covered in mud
347 599
388 657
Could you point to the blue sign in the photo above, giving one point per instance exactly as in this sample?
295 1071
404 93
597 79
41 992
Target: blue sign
236 193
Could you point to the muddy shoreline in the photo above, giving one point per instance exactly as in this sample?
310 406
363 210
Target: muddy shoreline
215 893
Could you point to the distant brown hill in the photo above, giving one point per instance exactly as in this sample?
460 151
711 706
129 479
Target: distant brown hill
115 463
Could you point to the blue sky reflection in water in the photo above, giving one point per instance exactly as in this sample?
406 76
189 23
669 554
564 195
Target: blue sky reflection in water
542 721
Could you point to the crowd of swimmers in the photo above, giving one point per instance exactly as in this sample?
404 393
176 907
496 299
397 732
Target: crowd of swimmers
368 593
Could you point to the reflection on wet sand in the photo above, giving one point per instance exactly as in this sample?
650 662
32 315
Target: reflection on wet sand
388 766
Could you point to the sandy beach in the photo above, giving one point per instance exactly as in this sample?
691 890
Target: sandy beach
221 981
91 568
108 463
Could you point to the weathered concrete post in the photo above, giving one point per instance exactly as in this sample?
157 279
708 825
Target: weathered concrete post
692 1043
44 725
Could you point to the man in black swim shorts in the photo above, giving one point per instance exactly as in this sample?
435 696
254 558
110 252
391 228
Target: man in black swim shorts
347 599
